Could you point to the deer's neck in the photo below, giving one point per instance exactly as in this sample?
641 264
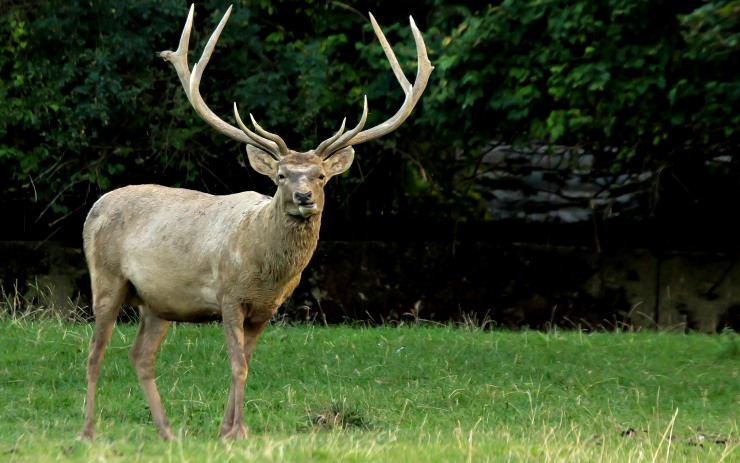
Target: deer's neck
296 236
281 244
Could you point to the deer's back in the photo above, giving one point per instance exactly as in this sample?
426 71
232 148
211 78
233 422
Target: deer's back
151 214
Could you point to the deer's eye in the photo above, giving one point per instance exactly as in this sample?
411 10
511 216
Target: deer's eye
322 177
281 177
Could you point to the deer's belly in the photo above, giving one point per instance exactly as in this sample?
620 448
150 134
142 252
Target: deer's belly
204 316
179 304
176 295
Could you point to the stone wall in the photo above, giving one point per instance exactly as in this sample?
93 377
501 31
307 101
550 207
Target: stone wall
508 285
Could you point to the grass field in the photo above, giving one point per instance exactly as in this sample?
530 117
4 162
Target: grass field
407 394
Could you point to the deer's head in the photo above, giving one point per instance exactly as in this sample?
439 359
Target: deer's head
300 177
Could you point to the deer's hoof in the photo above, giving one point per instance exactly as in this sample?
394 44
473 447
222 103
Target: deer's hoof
166 435
237 432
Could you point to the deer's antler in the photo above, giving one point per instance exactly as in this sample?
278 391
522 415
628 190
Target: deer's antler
413 93
269 142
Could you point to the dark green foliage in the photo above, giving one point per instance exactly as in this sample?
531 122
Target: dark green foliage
86 105
599 75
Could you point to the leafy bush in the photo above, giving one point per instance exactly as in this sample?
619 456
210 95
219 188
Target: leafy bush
86 105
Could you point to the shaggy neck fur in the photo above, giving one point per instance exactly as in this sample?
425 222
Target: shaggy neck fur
296 236
288 241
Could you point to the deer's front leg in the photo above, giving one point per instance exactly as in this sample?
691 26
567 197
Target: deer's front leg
234 414
232 426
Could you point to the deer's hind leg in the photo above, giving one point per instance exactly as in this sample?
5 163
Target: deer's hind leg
151 332
108 295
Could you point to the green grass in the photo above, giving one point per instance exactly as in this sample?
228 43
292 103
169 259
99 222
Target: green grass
411 394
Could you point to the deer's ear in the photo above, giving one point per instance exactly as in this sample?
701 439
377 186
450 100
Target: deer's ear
262 162
339 162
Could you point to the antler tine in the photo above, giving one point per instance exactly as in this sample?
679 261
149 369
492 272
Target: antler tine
191 84
271 136
179 57
342 141
400 76
262 143
320 149
412 92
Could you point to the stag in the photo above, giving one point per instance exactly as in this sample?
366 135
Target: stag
186 256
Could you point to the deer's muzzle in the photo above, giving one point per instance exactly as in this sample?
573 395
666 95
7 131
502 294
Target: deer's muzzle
302 198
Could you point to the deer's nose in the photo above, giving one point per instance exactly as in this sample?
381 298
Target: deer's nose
302 198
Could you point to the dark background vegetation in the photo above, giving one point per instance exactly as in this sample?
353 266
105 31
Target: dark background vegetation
86 106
